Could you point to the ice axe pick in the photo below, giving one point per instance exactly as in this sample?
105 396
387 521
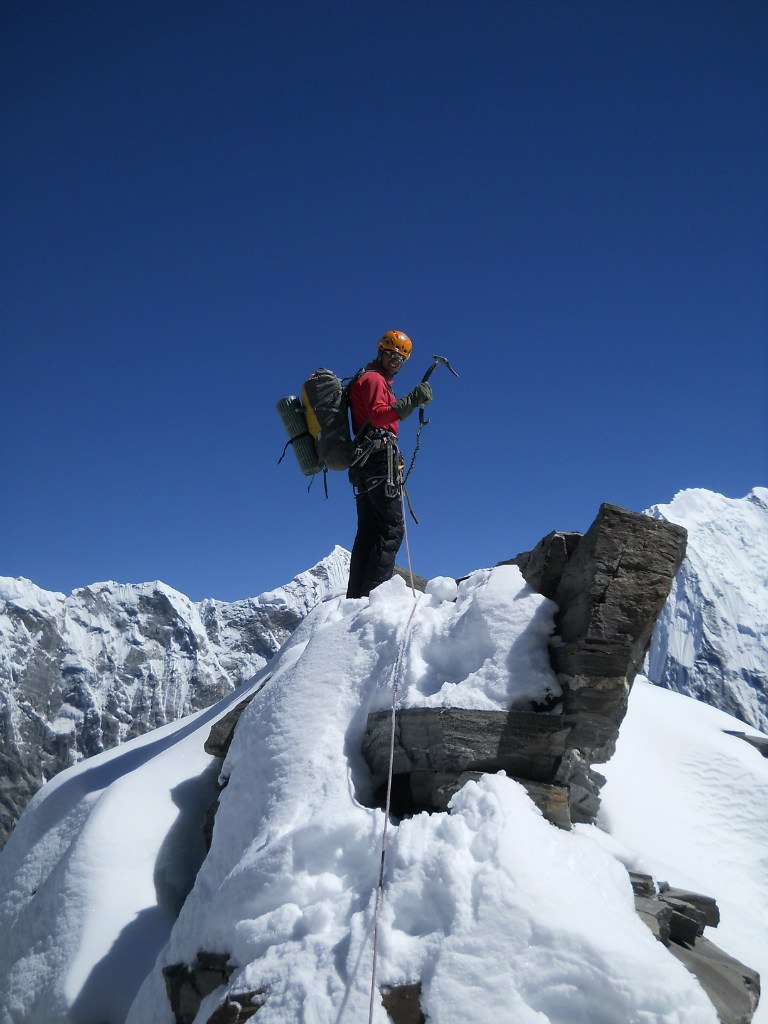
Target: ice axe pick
436 361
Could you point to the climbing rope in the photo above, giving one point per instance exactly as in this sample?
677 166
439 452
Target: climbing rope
388 801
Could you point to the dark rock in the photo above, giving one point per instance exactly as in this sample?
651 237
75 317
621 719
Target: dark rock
187 985
543 567
642 885
220 736
594 707
211 971
20 779
182 993
704 905
686 923
609 596
457 740
610 586
657 915
611 592
403 1003
434 790
733 987
553 801
677 917
688 912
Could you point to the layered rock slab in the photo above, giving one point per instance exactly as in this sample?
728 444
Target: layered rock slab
610 585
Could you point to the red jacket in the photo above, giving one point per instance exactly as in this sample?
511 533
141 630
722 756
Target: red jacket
371 398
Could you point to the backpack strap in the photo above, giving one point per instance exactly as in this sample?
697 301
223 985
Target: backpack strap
347 383
293 440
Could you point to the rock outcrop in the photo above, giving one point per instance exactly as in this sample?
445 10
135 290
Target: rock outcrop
609 591
678 918
610 585
187 986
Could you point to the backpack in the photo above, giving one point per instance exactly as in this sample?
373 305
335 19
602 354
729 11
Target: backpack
326 407
318 425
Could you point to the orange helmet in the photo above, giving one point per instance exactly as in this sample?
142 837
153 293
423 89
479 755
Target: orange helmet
397 342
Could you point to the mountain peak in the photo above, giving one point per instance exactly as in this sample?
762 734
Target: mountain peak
711 637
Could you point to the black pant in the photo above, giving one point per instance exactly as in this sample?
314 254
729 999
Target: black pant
380 528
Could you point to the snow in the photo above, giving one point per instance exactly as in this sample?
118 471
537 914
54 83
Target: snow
83 672
85 887
305 590
711 637
25 595
678 782
499 914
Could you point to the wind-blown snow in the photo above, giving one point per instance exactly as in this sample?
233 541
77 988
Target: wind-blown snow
711 638
500 915
678 782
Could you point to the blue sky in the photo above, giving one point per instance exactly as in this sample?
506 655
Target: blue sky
203 202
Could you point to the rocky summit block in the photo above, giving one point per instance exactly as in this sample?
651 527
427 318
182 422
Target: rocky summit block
611 592
610 585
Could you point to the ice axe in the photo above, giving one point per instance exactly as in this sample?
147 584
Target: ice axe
436 361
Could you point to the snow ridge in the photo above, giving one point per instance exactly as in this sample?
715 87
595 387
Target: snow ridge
497 913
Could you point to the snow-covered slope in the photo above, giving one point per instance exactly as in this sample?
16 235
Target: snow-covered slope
82 673
500 915
711 640
691 800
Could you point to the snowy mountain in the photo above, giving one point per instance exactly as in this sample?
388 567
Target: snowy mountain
82 673
489 912
712 637
114 909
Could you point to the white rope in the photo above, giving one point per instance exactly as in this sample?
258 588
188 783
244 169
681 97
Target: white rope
407 542
388 802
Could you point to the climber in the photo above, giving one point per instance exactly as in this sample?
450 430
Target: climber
376 475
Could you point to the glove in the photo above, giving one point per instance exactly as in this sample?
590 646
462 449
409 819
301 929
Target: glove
421 395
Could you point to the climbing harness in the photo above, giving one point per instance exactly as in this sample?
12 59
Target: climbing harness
393 480
388 803
394 471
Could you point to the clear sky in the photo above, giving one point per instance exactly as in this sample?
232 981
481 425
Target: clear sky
201 202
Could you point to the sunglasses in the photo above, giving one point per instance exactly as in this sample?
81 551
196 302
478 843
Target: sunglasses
394 355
